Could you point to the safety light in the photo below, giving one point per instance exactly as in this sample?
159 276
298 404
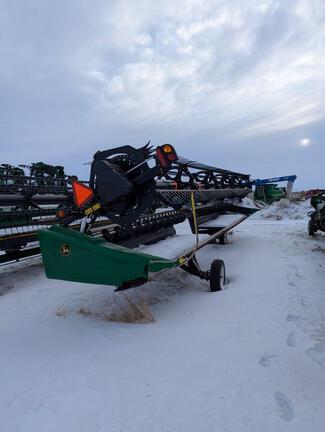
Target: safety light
81 193
166 154
168 148
60 214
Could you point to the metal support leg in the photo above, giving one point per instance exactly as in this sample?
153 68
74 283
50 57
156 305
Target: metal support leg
192 267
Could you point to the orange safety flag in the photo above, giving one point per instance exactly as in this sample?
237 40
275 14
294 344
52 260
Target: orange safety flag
81 193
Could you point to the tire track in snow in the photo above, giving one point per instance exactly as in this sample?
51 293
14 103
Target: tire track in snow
267 359
284 406
291 340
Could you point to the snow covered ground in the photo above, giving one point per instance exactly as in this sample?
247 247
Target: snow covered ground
249 358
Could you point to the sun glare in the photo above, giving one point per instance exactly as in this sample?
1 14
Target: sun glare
304 142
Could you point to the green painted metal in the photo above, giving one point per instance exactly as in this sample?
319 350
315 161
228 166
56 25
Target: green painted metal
269 193
10 218
317 200
73 256
12 222
317 217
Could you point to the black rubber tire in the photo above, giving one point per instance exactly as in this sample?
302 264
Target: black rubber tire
223 239
311 228
217 275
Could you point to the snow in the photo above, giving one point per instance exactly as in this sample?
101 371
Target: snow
285 209
249 358
222 220
184 240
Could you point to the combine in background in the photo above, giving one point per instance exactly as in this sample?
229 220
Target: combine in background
268 191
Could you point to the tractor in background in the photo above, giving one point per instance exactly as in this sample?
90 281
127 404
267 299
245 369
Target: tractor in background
317 217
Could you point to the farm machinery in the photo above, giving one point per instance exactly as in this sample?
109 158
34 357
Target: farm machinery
268 191
93 231
29 198
317 217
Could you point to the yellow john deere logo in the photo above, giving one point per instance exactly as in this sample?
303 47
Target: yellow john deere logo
65 249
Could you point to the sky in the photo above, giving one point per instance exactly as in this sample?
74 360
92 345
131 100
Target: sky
238 84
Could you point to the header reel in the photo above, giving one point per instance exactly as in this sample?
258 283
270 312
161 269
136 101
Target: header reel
188 174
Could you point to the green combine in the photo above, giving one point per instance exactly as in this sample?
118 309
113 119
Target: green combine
268 191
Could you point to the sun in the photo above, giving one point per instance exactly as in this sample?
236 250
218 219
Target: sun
304 142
